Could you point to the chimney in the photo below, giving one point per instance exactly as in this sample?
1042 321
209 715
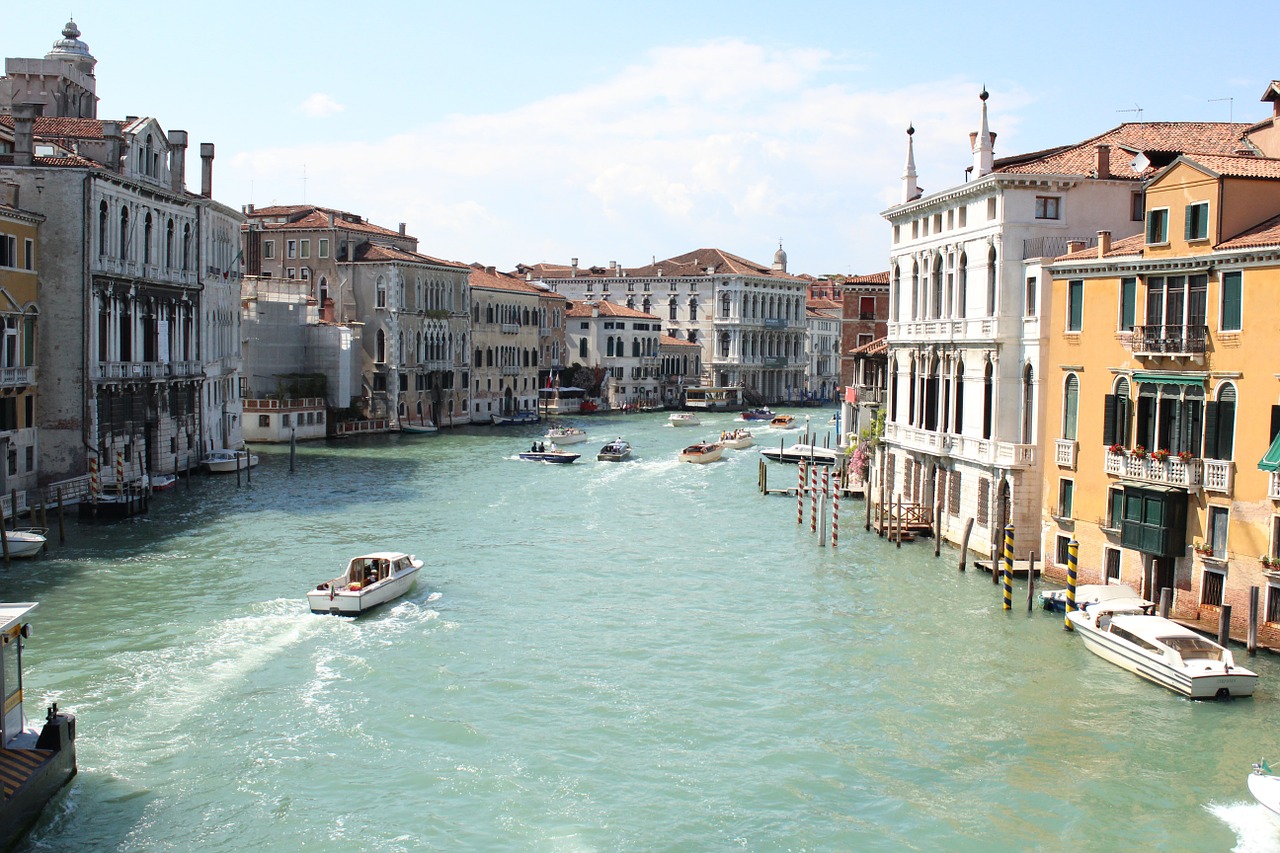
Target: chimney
573 266
114 137
248 209
206 169
1104 243
1103 169
491 270
332 218
24 123
401 229
613 267
178 161
1074 246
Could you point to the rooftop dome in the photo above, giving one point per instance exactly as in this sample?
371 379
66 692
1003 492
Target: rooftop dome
69 48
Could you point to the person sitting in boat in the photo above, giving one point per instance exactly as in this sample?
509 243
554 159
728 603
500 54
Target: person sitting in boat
533 448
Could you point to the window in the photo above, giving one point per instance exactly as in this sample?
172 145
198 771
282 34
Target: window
1075 305
1158 226
1047 206
1197 224
264 421
268 249
991 208
8 250
1063 549
1211 584
1128 303
897 232
1066 494
324 247
866 308
306 248
984 499
1031 296
1070 407
29 255
1111 561
1231 301
1220 424
1136 207
382 295
1273 603
1217 534
1115 508
291 249
291 273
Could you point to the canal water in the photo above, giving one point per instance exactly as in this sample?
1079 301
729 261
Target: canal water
596 657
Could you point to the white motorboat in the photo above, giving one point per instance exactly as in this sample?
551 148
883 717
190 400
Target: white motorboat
516 418
618 450
1123 632
682 419
738 439
369 580
229 461
26 541
161 482
552 455
566 435
811 453
702 452
1086 593
1265 786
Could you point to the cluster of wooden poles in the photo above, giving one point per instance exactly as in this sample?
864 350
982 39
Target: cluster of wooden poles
821 496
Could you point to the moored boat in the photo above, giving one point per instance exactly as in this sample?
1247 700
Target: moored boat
738 439
515 418
618 450
229 461
783 422
424 428
566 435
702 452
811 453
681 419
161 482
1086 593
1160 650
369 580
26 541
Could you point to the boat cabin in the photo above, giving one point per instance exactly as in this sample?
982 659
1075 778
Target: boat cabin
372 568
13 630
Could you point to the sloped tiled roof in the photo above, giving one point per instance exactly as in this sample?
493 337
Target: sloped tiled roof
1152 137
384 253
823 304
690 264
877 347
670 341
62 128
1263 234
1128 246
873 278
607 309
486 278
1237 166
310 218
67 160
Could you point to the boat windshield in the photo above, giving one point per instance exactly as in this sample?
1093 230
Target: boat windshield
1196 648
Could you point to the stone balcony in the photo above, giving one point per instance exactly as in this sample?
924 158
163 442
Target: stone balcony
977 450
1169 472
122 370
17 377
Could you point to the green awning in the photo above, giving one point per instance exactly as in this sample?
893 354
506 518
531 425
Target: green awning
1169 378
1270 460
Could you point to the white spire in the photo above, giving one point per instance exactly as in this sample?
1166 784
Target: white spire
983 142
910 189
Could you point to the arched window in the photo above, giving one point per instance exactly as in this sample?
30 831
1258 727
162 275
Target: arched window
381 293
988 394
609 347
168 245
103 217
124 233
915 290
380 347
647 305
725 305
635 347
488 357
724 344
935 309
146 239
186 247
895 296
911 393
672 306
1220 423
991 282
1070 406
959 399
147 162
962 285
488 313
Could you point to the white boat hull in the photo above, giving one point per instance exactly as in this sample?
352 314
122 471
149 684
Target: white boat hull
801 453
1206 684
24 543
563 438
683 420
419 429
347 602
1266 790
228 465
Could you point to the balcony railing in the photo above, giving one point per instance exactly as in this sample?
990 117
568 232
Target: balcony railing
17 377
146 369
1219 475
979 450
1273 486
1169 472
510 328
870 395
1169 340
1064 452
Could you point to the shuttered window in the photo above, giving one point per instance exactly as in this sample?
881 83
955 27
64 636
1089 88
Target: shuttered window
1128 303
1158 226
1231 298
1075 305
1197 221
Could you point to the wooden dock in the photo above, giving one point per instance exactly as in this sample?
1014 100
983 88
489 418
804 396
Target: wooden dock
1020 567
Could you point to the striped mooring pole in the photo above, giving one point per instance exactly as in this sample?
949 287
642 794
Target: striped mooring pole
813 496
1073 556
95 482
1008 567
120 471
800 494
835 517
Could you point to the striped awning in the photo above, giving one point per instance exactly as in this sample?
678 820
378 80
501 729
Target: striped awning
1270 460
1168 378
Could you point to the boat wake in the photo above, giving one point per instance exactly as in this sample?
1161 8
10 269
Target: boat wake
1257 829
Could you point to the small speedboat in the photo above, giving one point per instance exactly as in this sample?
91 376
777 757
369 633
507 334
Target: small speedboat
550 454
738 439
1160 650
702 452
566 435
425 428
811 453
681 419
1264 784
229 461
1086 593
525 417
783 422
369 580
161 482
764 413
26 541
618 450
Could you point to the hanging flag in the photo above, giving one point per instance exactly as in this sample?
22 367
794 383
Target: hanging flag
227 272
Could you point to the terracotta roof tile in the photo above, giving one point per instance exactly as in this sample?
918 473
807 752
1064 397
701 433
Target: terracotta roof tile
310 218
823 305
1263 234
62 128
1237 166
877 347
1152 138
607 309
486 279
1128 246
384 253
690 264
671 341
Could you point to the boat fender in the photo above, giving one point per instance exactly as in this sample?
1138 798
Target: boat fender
322 586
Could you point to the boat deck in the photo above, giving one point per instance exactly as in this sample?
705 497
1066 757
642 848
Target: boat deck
1020 567
19 765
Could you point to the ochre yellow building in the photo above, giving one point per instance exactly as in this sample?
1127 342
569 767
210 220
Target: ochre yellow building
19 292
1161 384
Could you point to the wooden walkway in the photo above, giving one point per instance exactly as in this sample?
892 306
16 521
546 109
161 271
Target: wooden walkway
1020 567
19 765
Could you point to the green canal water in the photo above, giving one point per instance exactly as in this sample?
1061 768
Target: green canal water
596 657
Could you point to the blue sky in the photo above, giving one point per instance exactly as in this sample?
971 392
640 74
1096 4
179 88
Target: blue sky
519 132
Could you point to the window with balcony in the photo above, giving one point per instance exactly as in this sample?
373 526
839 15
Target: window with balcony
1232 293
1170 417
1177 308
866 308
1158 226
1197 221
1115 415
1220 424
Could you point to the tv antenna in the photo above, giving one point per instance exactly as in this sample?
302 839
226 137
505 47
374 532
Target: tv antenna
1231 107
1136 109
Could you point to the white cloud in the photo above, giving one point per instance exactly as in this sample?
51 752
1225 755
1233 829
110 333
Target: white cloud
724 144
320 105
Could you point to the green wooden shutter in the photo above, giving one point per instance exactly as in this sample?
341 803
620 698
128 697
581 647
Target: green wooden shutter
1189 230
1145 433
1076 305
1211 430
1128 303
1275 423
1226 428
1231 301
1109 419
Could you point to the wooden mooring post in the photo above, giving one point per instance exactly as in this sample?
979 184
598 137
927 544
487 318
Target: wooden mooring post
897 523
1224 625
964 543
1031 580
1253 621
62 530
1166 600
937 528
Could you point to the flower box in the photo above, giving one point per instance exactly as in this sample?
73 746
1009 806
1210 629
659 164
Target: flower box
1160 455
1138 452
1116 448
